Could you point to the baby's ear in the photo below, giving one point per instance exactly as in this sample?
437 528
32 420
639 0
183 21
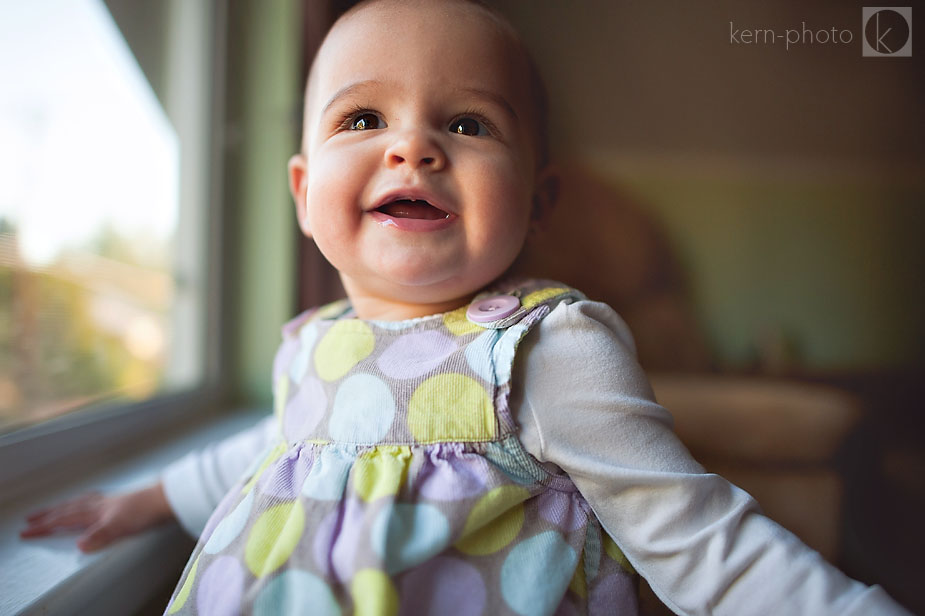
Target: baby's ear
298 181
545 195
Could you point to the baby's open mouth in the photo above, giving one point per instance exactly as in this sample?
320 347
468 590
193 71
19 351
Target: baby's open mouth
412 208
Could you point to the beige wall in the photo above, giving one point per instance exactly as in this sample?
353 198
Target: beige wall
791 182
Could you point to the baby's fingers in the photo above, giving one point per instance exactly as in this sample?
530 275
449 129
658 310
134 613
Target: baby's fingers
52 522
77 513
38 514
84 501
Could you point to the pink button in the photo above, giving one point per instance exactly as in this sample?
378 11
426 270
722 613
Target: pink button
492 308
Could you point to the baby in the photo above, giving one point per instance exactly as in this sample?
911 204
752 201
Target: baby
448 440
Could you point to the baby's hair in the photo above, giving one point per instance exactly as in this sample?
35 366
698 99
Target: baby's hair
538 93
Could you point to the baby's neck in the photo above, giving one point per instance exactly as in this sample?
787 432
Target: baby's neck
378 309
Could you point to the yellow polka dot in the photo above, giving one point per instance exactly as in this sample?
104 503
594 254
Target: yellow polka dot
579 583
615 553
274 537
451 407
280 393
333 309
494 535
380 472
373 594
342 348
537 297
494 521
272 457
183 595
458 324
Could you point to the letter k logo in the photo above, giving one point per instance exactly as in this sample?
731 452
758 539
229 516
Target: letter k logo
887 31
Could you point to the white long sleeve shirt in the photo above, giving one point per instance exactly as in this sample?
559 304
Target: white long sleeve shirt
584 406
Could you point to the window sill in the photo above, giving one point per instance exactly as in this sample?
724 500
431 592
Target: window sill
51 576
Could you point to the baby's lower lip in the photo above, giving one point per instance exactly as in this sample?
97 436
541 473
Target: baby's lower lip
403 223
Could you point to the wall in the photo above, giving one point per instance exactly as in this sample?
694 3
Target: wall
791 181
264 93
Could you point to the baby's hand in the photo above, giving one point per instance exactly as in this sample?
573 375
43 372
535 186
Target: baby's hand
104 518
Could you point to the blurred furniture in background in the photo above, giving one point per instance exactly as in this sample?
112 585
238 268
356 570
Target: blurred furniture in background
775 437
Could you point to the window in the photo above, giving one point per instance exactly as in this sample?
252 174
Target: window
105 173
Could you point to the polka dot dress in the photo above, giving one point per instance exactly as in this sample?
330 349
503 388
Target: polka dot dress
398 485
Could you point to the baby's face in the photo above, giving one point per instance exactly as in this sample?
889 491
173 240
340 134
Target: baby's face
418 168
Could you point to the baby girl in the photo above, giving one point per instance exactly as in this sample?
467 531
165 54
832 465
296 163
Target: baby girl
449 440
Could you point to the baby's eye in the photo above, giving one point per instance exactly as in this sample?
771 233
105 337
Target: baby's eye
366 121
468 126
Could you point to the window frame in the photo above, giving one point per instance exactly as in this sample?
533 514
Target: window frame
104 431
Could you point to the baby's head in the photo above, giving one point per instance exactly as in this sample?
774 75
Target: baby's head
423 163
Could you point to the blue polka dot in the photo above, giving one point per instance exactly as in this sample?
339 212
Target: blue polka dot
363 410
405 535
503 352
479 355
491 355
537 572
230 527
328 478
296 592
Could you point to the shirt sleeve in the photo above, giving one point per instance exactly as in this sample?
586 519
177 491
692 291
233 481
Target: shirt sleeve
196 483
701 543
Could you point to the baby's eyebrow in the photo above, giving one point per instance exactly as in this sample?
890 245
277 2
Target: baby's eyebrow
489 95
350 89
494 97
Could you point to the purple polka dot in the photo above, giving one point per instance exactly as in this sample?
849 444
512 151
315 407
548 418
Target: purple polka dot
324 538
284 356
286 475
449 475
337 540
304 410
614 594
562 509
220 588
415 354
567 608
443 585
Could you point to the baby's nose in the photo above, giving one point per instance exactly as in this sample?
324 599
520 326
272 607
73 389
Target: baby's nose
416 149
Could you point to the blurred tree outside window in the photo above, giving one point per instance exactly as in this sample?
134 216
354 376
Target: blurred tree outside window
91 269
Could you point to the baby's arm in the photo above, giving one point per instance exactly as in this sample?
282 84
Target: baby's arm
701 543
196 483
188 490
